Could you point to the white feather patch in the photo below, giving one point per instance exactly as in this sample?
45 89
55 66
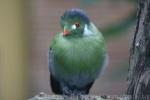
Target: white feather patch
73 27
87 32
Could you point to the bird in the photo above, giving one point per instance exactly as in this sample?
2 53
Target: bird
77 55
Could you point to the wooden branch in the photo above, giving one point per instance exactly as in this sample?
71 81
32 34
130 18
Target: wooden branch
43 96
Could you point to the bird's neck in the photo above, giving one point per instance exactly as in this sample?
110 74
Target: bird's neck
87 31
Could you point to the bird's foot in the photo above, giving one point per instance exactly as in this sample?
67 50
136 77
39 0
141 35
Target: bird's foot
78 94
66 91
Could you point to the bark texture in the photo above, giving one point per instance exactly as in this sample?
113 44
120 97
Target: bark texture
139 71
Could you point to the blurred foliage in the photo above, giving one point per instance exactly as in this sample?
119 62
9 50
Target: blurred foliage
89 2
133 1
119 28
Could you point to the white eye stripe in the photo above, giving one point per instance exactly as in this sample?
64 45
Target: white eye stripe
73 27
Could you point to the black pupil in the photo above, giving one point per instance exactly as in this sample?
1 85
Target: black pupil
77 24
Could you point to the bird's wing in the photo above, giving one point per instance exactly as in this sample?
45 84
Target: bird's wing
105 64
50 59
55 85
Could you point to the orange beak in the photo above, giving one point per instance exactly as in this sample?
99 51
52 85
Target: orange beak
66 32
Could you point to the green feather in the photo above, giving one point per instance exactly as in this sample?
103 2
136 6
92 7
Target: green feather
79 55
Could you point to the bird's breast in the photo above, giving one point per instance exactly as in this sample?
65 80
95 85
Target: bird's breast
79 57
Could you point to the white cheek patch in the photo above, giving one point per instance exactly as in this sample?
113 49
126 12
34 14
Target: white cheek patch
73 27
87 32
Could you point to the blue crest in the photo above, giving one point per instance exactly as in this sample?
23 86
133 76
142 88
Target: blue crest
72 13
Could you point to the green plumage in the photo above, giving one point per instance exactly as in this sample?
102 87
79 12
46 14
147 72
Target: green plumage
79 55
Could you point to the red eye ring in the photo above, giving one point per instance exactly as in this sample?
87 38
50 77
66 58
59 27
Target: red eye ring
77 24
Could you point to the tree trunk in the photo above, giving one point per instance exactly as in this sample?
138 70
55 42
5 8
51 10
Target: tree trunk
139 71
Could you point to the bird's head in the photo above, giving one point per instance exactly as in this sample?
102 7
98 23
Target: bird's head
73 22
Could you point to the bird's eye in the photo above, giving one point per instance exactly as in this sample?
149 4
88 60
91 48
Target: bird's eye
77 24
